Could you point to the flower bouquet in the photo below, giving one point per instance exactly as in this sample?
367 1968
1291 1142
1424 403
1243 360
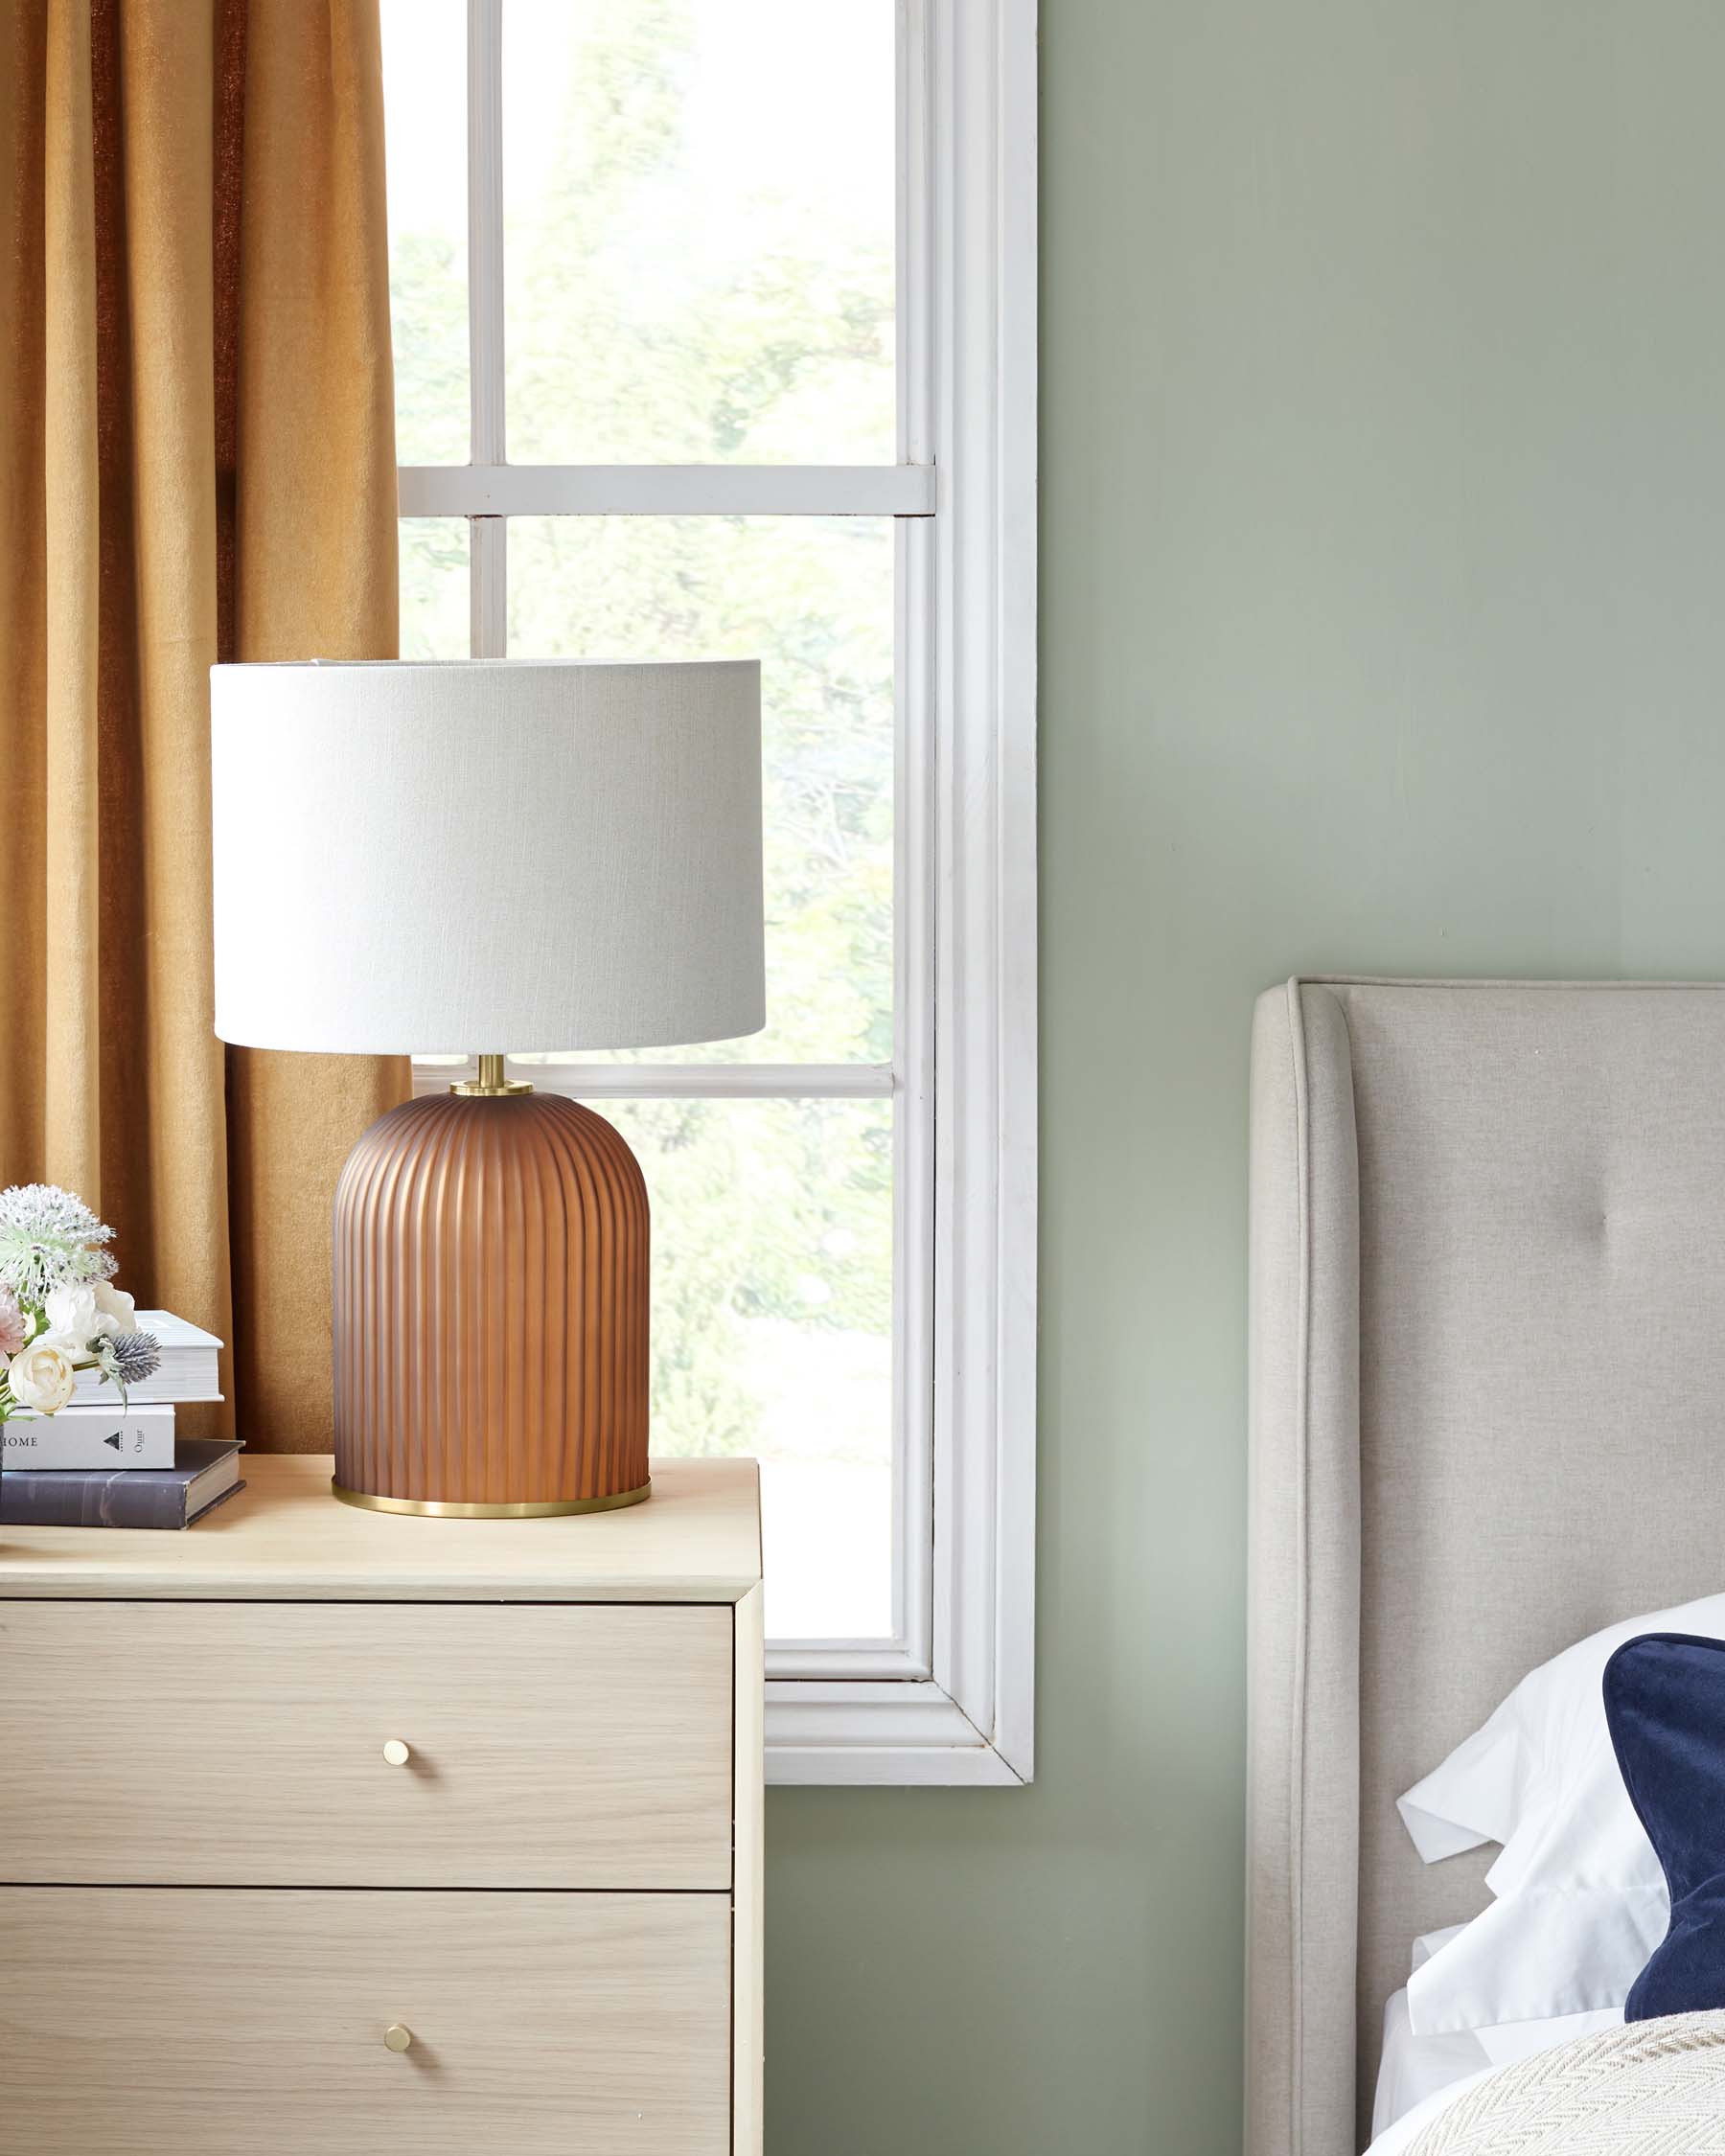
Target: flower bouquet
60 1310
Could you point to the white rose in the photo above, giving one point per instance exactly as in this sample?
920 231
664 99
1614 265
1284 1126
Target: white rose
116 1312
72 1314
41 1377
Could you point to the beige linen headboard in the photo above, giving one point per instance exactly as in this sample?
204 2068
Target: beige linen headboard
1487 1417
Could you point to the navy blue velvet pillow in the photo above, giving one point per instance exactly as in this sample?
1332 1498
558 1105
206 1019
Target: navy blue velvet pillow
1665 1706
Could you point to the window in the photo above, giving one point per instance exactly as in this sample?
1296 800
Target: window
714 332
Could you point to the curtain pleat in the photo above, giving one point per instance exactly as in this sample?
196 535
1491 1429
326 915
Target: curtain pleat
197 452
23 578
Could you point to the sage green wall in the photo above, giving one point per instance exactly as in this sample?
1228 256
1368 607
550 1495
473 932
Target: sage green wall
1383 628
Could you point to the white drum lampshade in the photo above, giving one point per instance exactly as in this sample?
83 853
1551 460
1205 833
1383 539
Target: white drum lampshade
499 855
421 858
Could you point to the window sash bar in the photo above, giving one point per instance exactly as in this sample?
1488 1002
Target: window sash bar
914 882
488 536
687 1081
495 489
485 231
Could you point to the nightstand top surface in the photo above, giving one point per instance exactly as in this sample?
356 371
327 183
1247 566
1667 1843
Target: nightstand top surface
284 1538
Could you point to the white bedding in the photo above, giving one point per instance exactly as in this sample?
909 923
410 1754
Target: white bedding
1407 2130
1419 2076
1652 2088
1413 2067
1419 2063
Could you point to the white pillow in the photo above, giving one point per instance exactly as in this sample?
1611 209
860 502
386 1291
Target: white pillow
1581 1900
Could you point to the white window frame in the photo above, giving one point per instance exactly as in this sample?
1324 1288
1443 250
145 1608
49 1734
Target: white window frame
948 1698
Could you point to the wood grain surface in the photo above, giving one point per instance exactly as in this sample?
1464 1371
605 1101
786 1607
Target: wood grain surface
749 1927
160 2021
696 1539
572 1746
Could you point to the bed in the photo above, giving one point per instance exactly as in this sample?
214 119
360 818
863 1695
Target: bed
1487 1358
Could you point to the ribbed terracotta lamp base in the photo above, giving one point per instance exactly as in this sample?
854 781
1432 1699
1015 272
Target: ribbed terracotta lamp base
490 1311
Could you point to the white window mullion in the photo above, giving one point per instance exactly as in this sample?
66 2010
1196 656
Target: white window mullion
913 1171
487 587
488 565
485 229
665 490
914 885
700 1081
914 317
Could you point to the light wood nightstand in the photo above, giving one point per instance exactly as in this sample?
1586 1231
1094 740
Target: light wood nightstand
324 1830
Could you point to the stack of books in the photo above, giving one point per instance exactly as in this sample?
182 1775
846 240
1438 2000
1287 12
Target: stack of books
101 1464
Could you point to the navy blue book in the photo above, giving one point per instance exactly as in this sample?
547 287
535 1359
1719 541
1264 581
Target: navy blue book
205 1471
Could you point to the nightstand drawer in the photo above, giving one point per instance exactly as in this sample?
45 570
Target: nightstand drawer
556 1746
253 2023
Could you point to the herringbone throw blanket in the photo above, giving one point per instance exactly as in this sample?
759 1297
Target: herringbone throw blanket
1656 2088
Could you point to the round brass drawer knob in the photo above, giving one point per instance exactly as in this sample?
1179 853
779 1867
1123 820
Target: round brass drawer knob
397 2036
398 1755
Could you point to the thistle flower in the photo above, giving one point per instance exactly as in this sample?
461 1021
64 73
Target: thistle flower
15 1326
127 1358
49 1238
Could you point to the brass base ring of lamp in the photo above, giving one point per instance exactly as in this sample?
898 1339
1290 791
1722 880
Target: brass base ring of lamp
431 1509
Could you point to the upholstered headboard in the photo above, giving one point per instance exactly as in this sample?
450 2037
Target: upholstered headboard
1487 1417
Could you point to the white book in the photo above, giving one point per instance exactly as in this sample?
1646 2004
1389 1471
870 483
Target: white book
89 1437
188 1368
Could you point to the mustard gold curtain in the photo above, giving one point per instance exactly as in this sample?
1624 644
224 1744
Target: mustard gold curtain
197 460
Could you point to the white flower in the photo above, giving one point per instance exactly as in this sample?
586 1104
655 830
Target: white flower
42 1377
73 1317
87 1310
47 1238
116 1312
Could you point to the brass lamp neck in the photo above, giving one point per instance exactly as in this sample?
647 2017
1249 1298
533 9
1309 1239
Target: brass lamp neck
491 1083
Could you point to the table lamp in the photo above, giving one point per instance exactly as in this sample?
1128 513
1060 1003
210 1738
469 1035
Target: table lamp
496 855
